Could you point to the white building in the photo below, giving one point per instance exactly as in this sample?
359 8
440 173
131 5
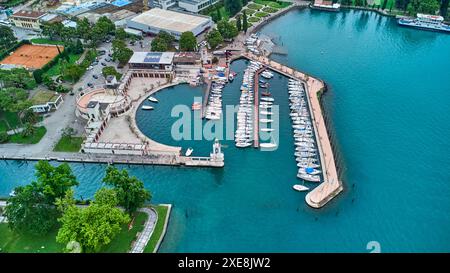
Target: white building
195 5
162 4
175 23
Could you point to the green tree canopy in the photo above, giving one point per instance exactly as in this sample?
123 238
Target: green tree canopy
233 6
93 226
188 41
423 6
120 34
130 190
28 211
7 38
214 38
227 30
244 22
121 52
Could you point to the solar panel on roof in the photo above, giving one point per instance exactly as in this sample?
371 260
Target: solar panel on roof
152 57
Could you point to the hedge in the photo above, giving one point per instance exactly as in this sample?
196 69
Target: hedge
16 46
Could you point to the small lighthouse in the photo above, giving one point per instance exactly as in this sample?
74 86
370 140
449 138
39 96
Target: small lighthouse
217 156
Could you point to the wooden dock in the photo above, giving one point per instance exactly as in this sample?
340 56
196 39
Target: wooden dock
331 186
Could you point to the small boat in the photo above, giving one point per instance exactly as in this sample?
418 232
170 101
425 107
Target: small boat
265 113
299 187
266 94
267 130
264 85
308 170
268 145
146 107
189 151
263 120
267 99
152 99
307 165
243 144
309 177
231 77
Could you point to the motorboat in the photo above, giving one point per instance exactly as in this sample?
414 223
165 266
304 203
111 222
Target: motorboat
147 107
189 151
267 145
309 170
265 113
309 177
263 120
267 130
307 165
243 144
267 99
299 187
152 99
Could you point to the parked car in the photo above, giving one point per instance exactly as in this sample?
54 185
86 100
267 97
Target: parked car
95 63
102 63
95 76
90 84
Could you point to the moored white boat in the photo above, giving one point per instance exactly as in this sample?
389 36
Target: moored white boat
147 107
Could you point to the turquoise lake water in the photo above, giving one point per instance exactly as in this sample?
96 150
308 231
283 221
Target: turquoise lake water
388 100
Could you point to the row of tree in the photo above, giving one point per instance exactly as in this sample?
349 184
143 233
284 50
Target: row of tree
412 7
91 34
48 202
225 30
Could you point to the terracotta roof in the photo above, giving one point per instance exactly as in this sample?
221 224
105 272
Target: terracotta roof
29 14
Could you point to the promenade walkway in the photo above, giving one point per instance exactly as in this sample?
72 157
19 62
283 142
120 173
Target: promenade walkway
146 233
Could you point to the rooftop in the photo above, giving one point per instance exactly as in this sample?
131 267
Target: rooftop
170 20
29 14
152 57
42 97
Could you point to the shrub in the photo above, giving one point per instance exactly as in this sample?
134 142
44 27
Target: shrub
4 137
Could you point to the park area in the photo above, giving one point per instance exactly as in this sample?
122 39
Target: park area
11 242
32 56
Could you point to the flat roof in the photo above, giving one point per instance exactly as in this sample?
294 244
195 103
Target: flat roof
29 14
170 20
428 16
152 57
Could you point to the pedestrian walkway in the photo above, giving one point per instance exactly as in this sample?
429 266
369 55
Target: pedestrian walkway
146 233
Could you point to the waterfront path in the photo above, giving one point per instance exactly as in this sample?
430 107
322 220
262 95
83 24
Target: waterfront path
146 233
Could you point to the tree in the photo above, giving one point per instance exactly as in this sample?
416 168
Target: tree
28 130
94 226
227 29
214 38
384 4
14 100
444 8
73 72
238 23
7 38
78 47
422 6
120 34
188 42
159 45
130 190
54 182
37 75
29 213
84 29
110 70
244 22
233 6
121 52
244 2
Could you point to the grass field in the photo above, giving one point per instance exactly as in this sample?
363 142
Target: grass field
56 69
15 243
254 19
159 227
261 14
248 11
254 6
273 4
33 139
122 242
46 41
68 144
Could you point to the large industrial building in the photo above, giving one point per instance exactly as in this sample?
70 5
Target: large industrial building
175 23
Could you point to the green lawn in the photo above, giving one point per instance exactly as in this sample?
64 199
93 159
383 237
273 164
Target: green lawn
56 69
248 11
261 14
15 243
389 4
254 6
254 19
273 4
33 139
269 9
46 41
122 242
159 227
6 118
68 144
